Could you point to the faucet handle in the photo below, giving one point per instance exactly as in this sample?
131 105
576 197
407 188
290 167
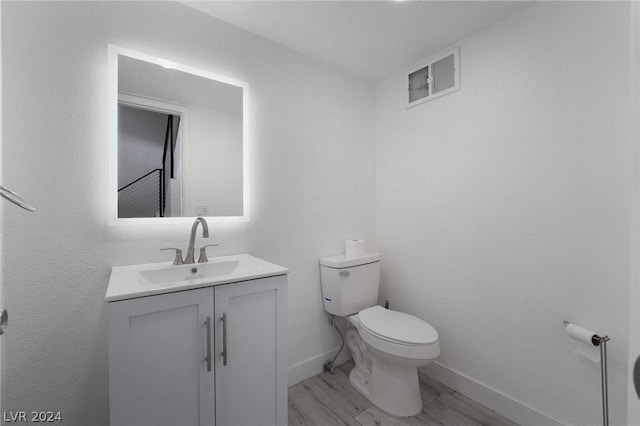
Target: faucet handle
178 259
203 253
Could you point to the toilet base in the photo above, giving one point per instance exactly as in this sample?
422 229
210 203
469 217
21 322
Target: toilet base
360 380
395 389
389 383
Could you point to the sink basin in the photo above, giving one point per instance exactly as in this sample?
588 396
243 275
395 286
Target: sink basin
189 272
127 282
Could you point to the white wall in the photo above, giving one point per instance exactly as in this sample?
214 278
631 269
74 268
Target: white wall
213 163
633 405
311 183
504 208
1 214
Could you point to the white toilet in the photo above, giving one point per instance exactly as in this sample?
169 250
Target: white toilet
387 346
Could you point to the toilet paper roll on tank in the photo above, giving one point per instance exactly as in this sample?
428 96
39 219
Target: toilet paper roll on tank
355 248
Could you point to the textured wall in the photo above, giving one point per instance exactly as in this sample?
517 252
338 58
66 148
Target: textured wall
311 183
504 208
2 301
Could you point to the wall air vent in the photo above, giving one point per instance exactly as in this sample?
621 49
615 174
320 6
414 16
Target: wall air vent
435 77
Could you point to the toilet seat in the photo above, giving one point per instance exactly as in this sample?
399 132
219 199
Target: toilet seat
398 334
397 327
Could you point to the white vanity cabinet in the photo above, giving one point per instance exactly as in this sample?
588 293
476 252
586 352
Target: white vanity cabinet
158 368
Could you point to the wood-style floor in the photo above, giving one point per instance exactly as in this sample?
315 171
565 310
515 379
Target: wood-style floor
328 399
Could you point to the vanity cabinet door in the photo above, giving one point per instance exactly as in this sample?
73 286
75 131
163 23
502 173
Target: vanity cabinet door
158 374
251 389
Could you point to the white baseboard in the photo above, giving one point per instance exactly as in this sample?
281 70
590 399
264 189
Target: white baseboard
493 399
314 366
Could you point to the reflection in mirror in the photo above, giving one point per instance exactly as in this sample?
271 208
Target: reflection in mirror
180 140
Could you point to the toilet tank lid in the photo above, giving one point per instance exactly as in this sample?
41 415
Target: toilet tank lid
342 261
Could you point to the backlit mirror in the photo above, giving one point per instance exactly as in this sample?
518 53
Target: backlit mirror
178 140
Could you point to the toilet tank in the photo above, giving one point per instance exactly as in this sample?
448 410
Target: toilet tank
349 284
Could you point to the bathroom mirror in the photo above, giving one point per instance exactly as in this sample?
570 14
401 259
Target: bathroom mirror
177 141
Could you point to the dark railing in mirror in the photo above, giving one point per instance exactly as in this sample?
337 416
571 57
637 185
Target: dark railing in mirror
147 195
144 197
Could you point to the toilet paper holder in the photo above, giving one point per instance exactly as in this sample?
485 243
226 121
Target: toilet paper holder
601 341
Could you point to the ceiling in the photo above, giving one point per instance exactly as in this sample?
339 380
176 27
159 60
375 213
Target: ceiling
368 39
141 78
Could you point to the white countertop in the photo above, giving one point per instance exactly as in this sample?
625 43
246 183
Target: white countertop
127 282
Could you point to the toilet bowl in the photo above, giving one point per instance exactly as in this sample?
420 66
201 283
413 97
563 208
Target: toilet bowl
387 346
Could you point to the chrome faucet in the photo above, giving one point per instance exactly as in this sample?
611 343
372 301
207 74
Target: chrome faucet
192 240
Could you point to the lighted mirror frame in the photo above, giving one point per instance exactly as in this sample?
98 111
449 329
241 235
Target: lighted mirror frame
112 190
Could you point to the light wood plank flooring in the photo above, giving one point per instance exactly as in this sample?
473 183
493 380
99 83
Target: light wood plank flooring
328 399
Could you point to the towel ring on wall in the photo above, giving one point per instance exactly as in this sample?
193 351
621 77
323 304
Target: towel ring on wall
15 198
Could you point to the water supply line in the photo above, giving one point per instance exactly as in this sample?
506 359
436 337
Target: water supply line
330 365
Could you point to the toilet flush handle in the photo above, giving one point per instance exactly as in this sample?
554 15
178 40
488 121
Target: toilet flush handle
345 273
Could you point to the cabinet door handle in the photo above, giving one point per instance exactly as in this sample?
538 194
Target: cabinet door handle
225 338
208 324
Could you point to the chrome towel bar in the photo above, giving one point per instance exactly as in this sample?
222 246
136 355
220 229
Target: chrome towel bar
15 198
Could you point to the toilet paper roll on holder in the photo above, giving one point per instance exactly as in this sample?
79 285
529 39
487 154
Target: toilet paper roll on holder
601 341
595 340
